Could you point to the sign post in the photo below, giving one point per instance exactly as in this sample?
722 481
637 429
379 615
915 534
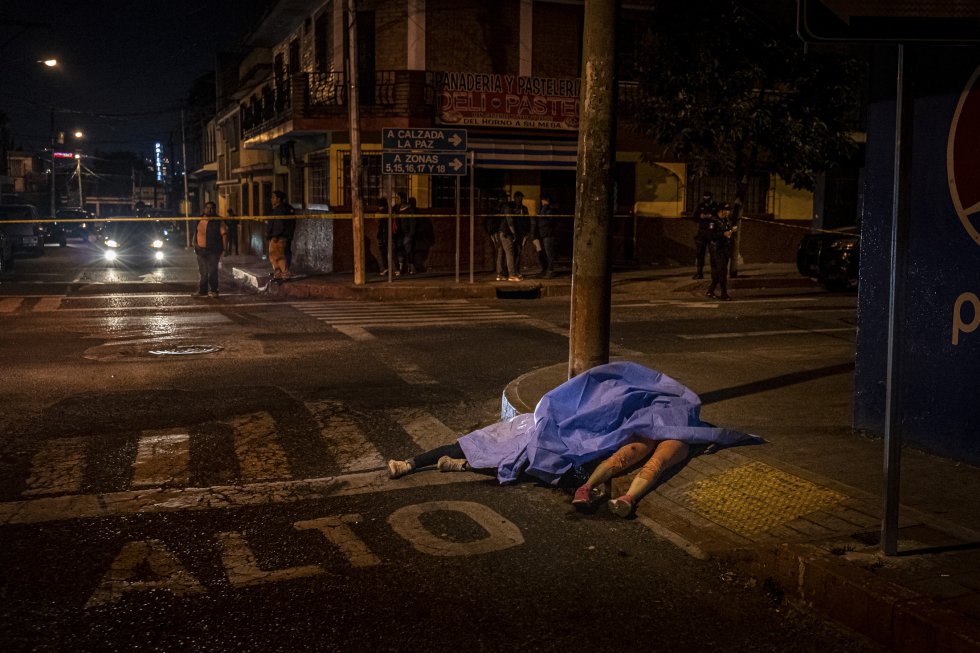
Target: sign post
426 151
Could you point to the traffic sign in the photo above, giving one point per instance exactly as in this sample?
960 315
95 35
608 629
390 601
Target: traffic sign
924 21
423 163
435 139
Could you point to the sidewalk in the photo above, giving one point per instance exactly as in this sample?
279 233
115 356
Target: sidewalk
795 531
801 520
253 272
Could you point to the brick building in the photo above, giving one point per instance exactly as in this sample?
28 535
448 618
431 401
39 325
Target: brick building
507 71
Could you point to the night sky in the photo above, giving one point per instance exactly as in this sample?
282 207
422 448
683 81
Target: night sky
125 66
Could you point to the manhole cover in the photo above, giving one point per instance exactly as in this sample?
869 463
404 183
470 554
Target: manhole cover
186 350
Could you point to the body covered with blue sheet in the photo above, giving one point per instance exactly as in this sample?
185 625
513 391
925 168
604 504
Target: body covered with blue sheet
588 418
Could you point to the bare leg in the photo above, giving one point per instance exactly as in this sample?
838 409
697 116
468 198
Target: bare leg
667 454
627 456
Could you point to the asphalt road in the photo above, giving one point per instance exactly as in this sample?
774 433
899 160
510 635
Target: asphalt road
183 474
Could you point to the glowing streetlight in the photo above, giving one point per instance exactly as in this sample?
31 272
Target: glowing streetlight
50 63
78 133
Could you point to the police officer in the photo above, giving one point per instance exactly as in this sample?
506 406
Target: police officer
720 230
705 212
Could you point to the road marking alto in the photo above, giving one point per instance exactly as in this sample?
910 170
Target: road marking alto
127 573
47 304
58 467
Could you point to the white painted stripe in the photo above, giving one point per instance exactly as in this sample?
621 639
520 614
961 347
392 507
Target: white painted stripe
151 501
46 304
259 455
753 334
355 333
162 458
10 304
58 467
344 439
427 431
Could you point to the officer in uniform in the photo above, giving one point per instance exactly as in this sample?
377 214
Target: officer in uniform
703 215
720 230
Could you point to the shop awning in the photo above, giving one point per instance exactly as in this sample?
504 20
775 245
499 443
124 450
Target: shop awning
527 154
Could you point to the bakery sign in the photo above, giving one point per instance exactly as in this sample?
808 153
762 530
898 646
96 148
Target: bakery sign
490 100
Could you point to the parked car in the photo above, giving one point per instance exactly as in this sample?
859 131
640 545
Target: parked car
831 257
6 253
135 243
73 228
19 223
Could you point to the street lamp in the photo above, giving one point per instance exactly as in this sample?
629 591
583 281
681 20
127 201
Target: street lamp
50 63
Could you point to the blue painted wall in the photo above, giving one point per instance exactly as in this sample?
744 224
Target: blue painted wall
941 393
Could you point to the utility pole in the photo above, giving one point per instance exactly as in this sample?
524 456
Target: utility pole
591 289
78 170
356 206
187 204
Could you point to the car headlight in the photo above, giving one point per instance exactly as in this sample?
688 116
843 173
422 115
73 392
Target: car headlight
844 244
158 256
111 243
110 255
157 244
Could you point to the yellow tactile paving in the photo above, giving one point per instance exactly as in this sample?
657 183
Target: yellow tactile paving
754 498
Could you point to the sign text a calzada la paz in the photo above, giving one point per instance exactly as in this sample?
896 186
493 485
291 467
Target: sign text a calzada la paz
425 139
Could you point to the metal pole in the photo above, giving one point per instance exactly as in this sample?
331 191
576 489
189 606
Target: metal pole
591 288
896 304
357 212
472 210
457 228
187 199
78 168
391 231
53 185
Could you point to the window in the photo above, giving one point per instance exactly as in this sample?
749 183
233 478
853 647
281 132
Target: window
372 181
319 170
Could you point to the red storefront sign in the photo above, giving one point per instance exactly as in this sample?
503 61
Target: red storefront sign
507 101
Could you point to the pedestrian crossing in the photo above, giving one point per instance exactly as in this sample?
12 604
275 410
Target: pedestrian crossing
365 315
260 451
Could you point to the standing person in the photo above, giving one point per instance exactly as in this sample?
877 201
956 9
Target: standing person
522 224
425 238
544 230
210 240
720 250
397 238
280 231
703 215
383 237
507 235
232 226
406 215
492 226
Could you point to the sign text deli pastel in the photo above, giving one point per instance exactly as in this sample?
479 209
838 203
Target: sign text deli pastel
507 101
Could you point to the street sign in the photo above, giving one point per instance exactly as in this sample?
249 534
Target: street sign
931 21
423 163
435 139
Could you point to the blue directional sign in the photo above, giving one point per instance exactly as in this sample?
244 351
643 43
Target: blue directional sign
423 163
429 139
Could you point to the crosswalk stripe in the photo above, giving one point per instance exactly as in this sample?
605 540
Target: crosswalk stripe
10 304
260 457
58 467
46 304
427 431
344 439
162 458
405 315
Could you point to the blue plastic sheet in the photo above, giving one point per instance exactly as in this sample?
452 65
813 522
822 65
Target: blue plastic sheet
588 418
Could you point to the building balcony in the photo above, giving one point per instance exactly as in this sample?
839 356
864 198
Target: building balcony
317 102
